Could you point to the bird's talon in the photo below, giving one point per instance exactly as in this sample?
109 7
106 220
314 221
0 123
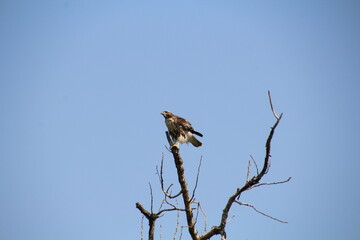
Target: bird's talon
174 146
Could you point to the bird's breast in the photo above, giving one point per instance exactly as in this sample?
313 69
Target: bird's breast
170 124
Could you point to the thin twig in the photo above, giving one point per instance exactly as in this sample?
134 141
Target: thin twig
268 165
172 209
203 212
267 215
197 214
257 169
272 107
152 198
271 183
171 142
162 203
248 171
167 148
173 196
169 203
197 180
160 232
181 228
177 222
142 228
161 179
231 218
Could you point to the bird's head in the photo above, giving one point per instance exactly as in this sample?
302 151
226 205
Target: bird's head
167 114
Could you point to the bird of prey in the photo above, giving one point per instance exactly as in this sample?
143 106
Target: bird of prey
180 129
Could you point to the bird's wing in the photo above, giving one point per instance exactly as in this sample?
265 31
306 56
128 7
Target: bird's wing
184 124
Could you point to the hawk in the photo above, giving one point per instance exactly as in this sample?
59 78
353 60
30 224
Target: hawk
180 129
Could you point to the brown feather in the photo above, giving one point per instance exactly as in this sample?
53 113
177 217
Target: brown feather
180 129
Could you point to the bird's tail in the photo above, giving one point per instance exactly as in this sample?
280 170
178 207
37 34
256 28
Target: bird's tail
195 142
197 133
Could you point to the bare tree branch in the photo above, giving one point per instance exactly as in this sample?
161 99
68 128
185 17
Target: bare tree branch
197 180
151 218
177 222
272 107
181 231
142 228
266 215
169 138
203 212
257 169
173 207
161 179
271 183
248 171
185 191
152 199
160 232
170 209
253 181
169 203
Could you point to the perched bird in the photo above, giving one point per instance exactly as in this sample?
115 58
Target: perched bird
180 129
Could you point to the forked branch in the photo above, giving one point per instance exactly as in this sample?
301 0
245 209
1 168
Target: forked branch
253 182
161 179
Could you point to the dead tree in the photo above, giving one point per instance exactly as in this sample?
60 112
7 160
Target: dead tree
188 199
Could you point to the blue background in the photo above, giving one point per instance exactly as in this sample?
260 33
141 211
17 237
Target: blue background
83 83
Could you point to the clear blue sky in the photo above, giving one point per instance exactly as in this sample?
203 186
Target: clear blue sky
82 85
